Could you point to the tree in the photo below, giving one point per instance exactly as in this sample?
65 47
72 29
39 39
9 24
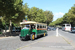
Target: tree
10 10
32 13
15 12
71 16
49 16
67 18
38 15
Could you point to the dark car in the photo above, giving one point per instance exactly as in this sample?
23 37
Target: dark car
73 29
48 28
17 29
54 29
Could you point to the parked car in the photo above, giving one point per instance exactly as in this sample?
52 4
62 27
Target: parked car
73 29
48 28
17 29
51 28
54 29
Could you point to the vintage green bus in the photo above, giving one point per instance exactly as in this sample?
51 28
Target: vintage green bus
32 29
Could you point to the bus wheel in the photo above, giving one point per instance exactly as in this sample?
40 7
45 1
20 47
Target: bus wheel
32 37
44 34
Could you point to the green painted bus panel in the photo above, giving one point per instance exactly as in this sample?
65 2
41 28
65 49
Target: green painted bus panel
24 32
41 32
34 30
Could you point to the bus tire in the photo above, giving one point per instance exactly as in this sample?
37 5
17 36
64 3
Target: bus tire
32 36
44 34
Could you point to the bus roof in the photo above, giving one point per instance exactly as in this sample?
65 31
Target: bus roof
31 22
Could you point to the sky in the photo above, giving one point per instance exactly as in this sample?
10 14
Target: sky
58 7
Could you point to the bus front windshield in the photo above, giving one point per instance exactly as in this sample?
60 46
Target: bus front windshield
32 26
26 26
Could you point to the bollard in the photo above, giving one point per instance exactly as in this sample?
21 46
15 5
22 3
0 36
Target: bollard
57 32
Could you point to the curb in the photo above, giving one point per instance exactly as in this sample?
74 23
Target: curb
5 37
67 40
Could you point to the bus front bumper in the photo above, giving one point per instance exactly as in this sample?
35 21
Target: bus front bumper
24 37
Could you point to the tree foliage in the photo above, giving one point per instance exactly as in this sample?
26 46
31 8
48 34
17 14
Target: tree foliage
67 18
15 11
38 15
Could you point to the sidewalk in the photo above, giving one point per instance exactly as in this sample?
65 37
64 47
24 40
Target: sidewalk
49 43
8 35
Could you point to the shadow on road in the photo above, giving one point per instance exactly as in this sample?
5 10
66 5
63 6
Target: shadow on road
39 37
72 32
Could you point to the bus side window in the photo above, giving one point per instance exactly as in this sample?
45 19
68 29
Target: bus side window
40 26
37 26
43 26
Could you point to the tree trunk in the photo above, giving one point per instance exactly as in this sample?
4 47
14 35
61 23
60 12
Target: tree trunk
10 27
5 30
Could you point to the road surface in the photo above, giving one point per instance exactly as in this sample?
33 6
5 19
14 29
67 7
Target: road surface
13 43
70 35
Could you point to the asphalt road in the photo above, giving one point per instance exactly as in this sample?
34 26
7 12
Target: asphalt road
69 35
12 43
